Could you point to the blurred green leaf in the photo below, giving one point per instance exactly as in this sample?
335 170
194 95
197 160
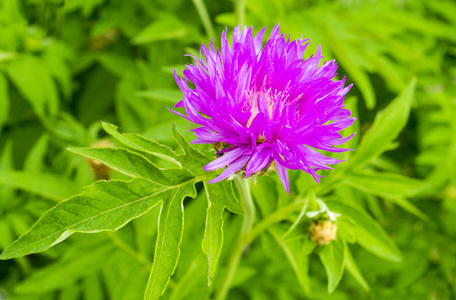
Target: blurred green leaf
333 258
92 287
292 248
6 165
386 127
164 28
35 83
188 283
360 77
117 64
74 265
36 155
168 96
64 126
393 187
47 185
55 58
353 269
384 184
4 100
367 232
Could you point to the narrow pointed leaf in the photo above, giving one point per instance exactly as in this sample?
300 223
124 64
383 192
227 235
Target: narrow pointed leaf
169 238
353 269
219 196
384 184
386 127
46 185
168 96
333 258
74 265
368 233
4 100
392 187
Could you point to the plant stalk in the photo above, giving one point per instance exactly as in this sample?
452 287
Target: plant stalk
247 223
239 8
205 18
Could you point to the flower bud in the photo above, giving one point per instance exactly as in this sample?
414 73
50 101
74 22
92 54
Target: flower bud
323 231
100 170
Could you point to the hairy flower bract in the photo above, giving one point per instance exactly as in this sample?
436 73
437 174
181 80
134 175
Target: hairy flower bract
265 104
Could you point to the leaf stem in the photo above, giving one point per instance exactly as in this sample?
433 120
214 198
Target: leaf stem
205 18
247 223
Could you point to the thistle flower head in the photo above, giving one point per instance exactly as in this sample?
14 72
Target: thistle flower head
266 104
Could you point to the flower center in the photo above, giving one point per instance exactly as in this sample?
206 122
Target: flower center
264 100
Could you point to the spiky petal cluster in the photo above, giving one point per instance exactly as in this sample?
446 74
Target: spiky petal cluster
267 103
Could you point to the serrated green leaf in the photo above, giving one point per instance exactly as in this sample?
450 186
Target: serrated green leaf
368 233
167 251
46 185
194 160
219 196
386 127
102 206
142 144
333 258
133 164
353 269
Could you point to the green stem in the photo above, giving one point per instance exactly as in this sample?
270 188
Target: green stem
273 218
239 8
205 18
247 201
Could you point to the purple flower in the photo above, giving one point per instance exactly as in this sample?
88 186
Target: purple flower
265 105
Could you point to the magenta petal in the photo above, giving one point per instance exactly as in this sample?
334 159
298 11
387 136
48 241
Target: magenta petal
271 102
224 160
231 169
260 160
283 175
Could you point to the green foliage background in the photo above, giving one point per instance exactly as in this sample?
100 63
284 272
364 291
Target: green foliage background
67 65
